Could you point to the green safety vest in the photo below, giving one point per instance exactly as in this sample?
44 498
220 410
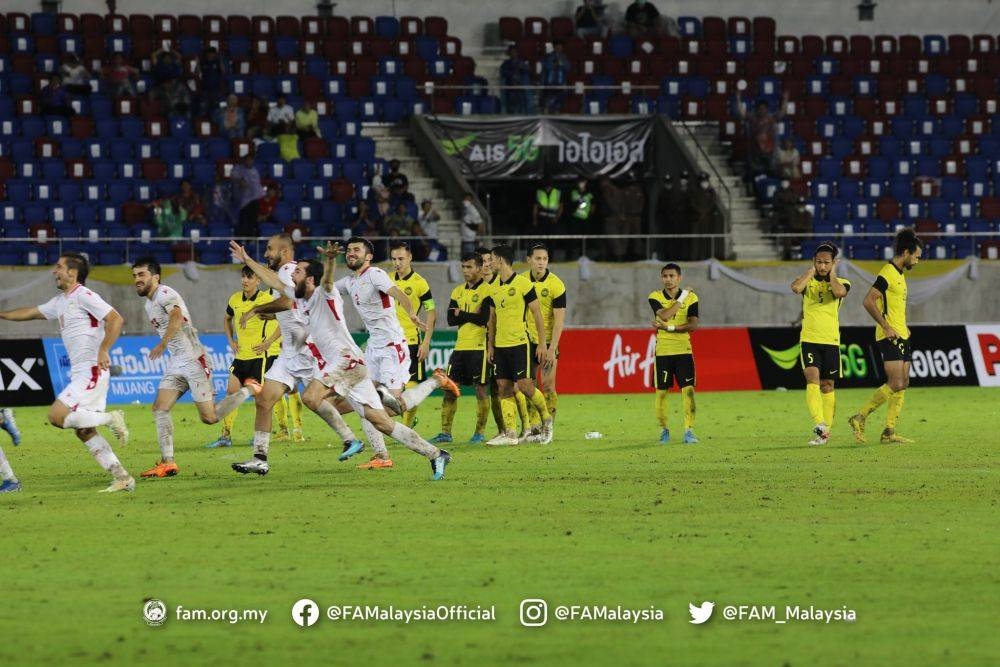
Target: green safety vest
548 202
582 204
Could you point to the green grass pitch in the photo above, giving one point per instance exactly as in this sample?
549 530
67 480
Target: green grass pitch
905 535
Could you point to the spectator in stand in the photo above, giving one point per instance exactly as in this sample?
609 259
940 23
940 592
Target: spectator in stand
280 117
247 192
169 216
397 182
555 74
763 128
267 204
590 20
642 19
288 144
383 207
428 219
55 99
307 121
210 72
75 77
256 119
220 198
365 219
190 201
230 119
400 221
634 196
514 72
175 97
120 77
788 162
472 225
166 66
703 204
613 210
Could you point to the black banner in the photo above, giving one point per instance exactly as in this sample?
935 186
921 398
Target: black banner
941 356
24 376
532 148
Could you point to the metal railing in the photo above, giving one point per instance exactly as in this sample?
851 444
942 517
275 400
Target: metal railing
955 244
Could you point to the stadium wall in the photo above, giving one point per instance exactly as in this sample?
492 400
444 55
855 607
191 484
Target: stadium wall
600 294
476 22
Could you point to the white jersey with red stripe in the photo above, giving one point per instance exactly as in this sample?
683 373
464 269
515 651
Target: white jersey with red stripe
81 315
329 337
294 327
369 292
184 345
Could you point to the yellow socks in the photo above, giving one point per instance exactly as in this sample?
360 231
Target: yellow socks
538 402
448 410
281 415
497 412
814 401
508 406
687 393
295 408
895 406
522 411
829 403
661 407
227 423
410 416
482 413
880 396
551 399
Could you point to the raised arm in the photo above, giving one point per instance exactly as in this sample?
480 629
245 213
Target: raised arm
22 314
266 275
800 283
838 288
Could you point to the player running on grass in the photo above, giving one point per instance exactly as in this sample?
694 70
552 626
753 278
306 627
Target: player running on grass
341 371
886 303
823 293
296 363
89 327
187 369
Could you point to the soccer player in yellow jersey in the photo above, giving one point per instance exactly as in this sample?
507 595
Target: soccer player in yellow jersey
468 310
886 303
490 279
507 345
551 294
675 316
255 347
823 293
418 291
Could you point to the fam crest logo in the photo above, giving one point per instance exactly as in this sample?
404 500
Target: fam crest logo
511 292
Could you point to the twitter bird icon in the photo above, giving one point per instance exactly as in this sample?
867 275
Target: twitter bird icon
701 614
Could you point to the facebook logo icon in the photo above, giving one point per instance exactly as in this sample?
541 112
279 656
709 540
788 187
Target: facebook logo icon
305 612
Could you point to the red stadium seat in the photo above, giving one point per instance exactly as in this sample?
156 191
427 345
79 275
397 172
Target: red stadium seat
436 26
239 26
411 26
338 28
511 29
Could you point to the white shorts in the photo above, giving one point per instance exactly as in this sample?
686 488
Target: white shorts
389 365
194 374
290 369
87 390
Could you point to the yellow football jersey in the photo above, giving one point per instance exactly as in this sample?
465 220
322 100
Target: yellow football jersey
551 293
821 312
419 292
891 282
673 342
256 329
471 322
510 301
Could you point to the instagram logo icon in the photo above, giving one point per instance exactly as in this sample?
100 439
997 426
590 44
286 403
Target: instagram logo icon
534 613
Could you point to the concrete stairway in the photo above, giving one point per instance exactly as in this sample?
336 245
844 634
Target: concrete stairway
392 142
746 220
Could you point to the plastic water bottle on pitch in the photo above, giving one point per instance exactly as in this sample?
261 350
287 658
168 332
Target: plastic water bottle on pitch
593 435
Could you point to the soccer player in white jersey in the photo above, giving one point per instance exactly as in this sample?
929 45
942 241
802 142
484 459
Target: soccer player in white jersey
342 369
387 353
89 327
187 369
296 363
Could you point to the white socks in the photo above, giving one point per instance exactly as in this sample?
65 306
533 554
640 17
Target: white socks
81 418
231 402
412 440
375 438
6 472
261 442
102 452
332 417
164 434
414 396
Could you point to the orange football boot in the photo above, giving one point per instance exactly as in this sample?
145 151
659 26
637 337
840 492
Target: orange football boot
447 383
162 469
376 463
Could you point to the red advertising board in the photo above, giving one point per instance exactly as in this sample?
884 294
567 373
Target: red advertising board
605 361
